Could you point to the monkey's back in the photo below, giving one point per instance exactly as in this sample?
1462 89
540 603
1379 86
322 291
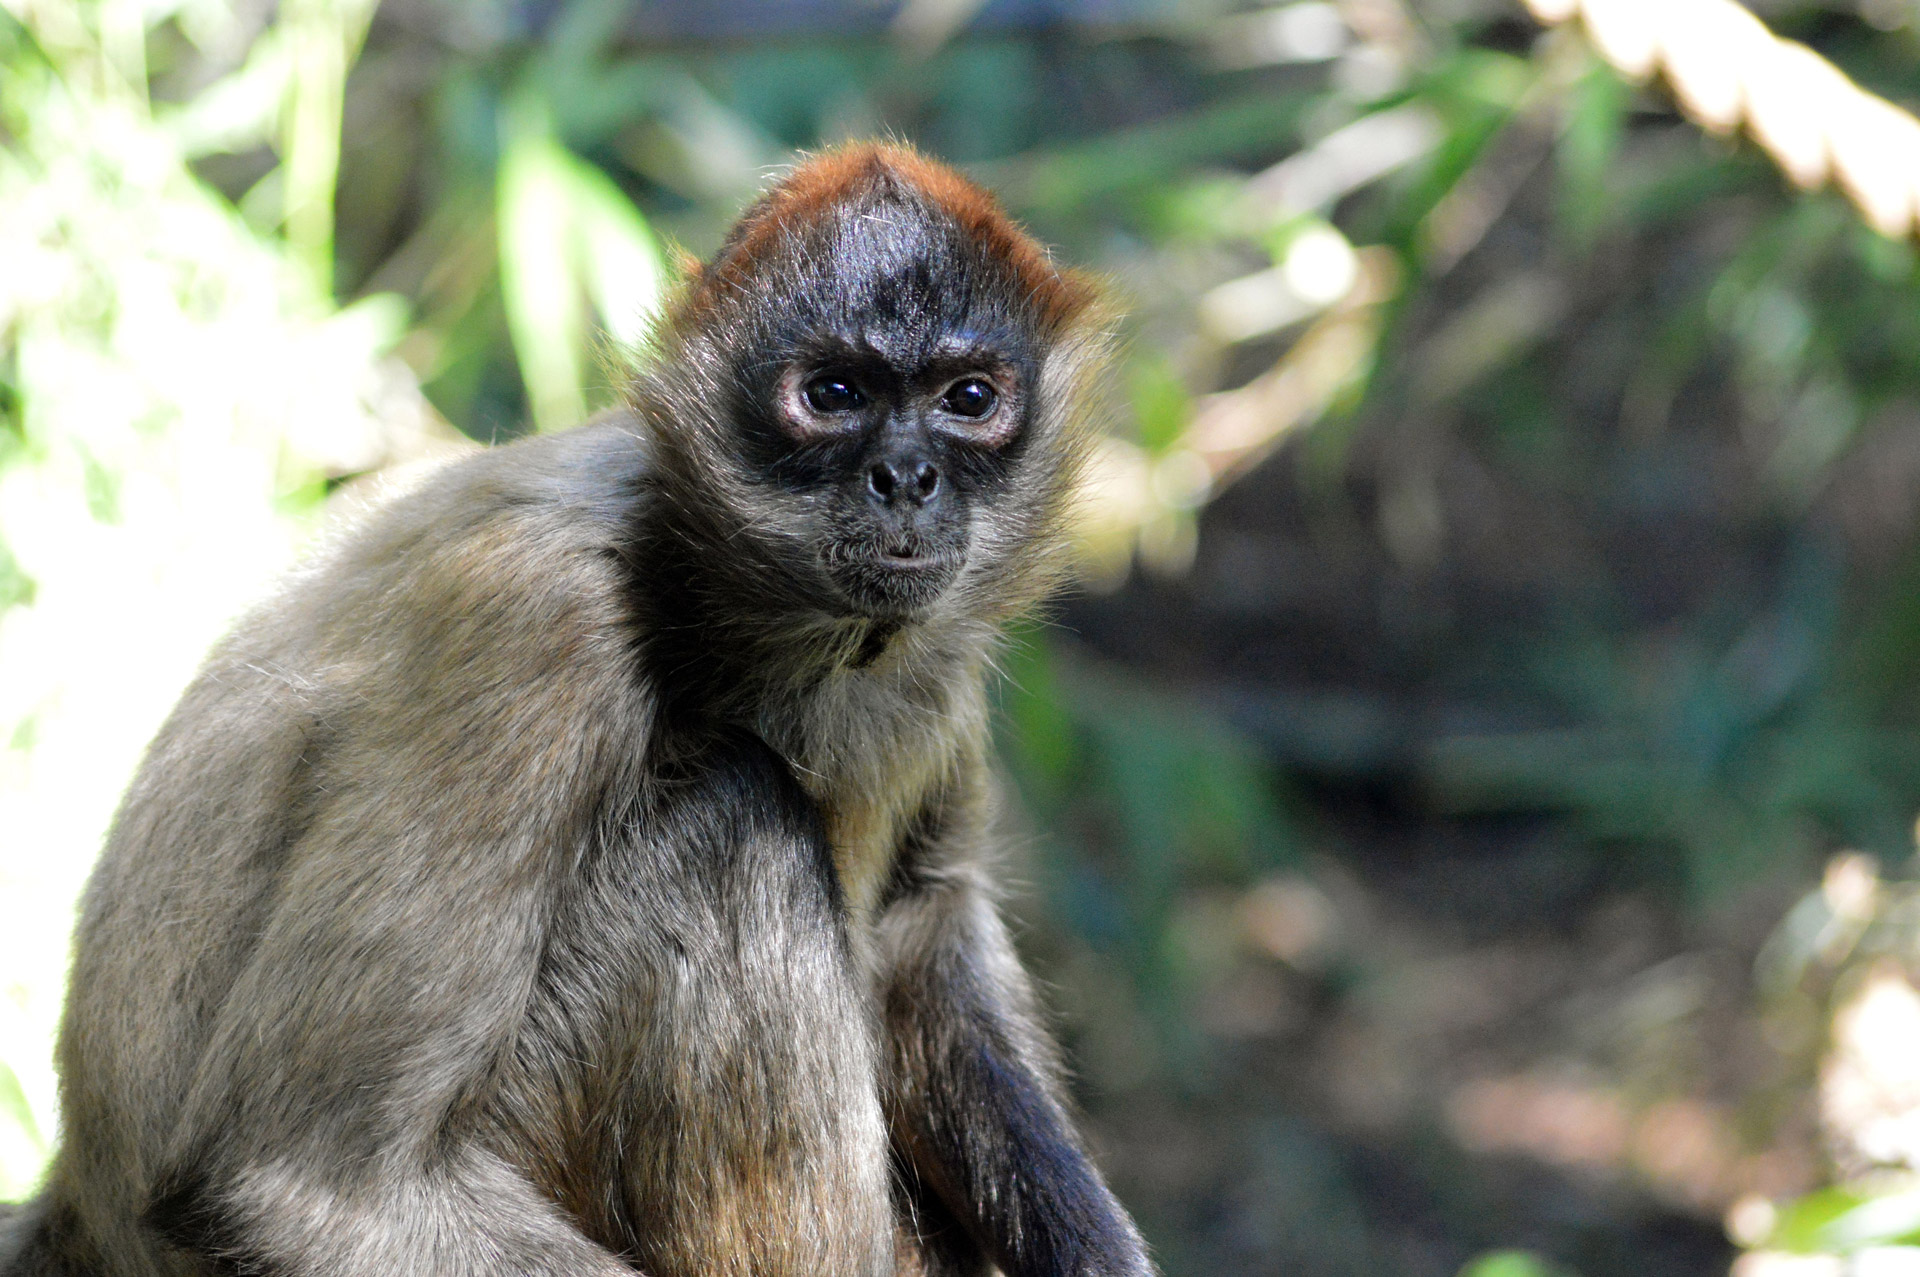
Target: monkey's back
339 708
342 730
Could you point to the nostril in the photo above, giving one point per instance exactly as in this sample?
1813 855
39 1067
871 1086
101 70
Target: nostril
926 479
880 481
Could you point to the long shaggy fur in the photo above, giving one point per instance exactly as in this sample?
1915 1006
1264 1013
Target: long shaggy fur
562 877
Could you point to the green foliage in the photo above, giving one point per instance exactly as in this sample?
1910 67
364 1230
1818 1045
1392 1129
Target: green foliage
178 390
1750 732
1512 1263
567 235
1589 151
1155 799
1162 406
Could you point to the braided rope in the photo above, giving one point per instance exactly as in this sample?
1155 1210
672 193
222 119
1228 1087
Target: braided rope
1728 70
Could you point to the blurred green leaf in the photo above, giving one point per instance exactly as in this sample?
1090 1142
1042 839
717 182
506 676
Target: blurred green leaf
1042 733
14 1106
243 108
1871 1219
1060 180
545 310
617 255
1161 404
1512 1263
23 1145
567 236
1802 1225
1589 143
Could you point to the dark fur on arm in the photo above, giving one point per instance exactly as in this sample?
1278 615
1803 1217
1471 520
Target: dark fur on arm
972 1089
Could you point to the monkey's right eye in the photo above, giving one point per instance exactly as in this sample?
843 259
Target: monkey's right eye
830 394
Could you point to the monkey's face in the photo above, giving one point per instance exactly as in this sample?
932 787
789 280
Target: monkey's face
893 459
888 420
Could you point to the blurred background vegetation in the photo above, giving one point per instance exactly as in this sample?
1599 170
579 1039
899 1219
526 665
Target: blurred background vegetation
1466 818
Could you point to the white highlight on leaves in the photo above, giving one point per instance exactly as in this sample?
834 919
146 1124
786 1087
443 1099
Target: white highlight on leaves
1320 265
1870 1085
1728 70
1317 269
1311 31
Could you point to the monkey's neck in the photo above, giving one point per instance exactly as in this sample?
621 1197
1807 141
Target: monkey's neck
873 644
725 641
739 671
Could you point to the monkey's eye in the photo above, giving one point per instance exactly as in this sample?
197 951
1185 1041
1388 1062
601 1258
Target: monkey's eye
973 397
830 394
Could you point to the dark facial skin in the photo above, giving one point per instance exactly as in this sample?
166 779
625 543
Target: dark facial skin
895 409
900 460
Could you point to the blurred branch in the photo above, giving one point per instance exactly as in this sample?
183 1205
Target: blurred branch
1233 430
1136 494
1346 159
1728 70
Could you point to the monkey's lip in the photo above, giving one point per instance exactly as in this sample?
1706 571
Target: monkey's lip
908 555
919 571
897 559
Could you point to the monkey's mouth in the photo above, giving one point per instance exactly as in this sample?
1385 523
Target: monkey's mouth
893 576
908 556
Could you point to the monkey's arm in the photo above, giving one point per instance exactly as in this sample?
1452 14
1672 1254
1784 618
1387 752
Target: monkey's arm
470 691
971 1088
335 1125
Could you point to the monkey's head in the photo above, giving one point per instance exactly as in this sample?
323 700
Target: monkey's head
868 397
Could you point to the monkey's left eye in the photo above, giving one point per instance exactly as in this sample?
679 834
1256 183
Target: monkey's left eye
973 397
829 394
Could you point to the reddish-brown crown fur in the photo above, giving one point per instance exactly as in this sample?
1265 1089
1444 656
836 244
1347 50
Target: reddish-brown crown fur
816 187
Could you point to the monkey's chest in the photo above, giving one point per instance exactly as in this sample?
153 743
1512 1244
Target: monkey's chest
864 836
719 1049
869 751
866 814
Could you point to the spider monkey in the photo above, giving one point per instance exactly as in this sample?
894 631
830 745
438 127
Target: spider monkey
581 868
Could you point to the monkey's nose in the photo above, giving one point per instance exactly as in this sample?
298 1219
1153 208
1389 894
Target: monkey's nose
916 481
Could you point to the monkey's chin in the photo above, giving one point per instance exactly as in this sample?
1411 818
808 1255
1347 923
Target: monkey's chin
895 587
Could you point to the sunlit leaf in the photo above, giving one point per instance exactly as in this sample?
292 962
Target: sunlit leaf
22 1144
544 306
568 237
241 109
1804 1224
1877 1220
618 255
